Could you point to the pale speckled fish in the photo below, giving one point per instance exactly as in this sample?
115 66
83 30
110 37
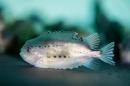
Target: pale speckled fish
66 50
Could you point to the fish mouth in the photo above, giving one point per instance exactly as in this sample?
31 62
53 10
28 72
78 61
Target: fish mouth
23 53
25 56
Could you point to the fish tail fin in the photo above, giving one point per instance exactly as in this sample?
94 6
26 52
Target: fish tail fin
107 53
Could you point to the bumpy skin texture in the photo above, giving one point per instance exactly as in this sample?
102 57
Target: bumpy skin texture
58 55
66 50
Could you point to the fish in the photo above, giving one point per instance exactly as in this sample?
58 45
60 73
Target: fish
66 50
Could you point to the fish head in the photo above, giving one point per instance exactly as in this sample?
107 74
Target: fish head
29 52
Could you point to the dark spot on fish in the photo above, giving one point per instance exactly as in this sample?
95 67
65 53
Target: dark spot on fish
80 52
64 56
81 39
40 46
59 56
54 56
54 45
47 46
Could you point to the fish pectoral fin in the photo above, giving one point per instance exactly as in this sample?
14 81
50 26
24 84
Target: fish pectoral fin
92 41
93 64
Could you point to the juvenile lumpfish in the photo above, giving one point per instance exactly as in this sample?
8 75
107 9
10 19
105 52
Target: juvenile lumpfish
66 50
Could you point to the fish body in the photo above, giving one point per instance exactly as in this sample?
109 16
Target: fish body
65 50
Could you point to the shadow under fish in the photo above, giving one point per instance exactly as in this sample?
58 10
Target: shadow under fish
66 50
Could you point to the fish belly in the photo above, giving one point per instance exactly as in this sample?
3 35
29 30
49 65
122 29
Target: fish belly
59 63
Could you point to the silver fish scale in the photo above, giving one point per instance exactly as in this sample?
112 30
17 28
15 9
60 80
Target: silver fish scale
65 51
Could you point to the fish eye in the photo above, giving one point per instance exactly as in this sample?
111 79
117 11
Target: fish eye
28 49
47 46
39 46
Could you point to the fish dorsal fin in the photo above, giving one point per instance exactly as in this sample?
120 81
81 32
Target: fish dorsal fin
76 36
92 41
60 34
54 36
53 32
64 35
